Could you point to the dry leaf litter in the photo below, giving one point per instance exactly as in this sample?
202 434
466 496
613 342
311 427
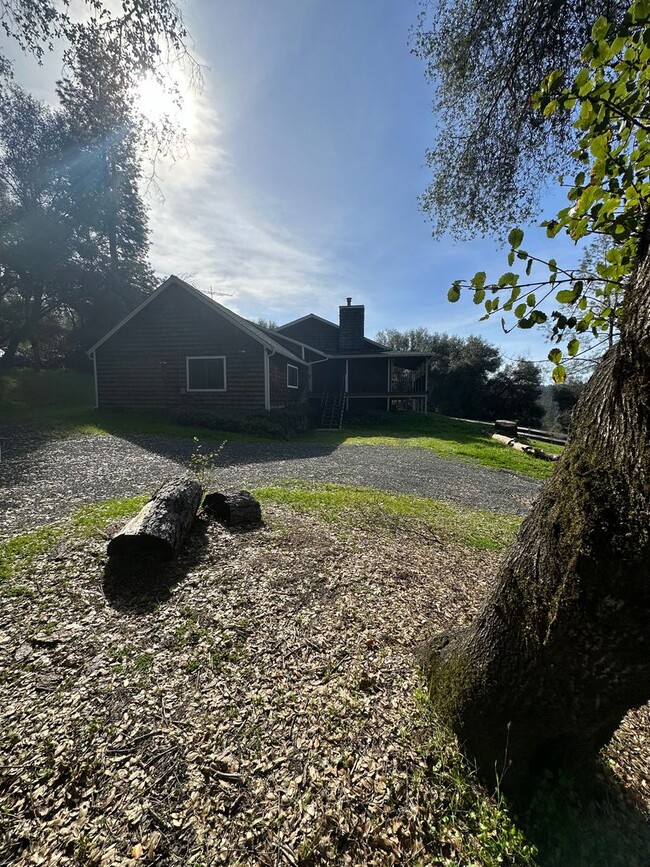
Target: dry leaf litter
258 708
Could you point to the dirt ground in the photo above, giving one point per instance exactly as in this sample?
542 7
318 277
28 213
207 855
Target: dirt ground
255 703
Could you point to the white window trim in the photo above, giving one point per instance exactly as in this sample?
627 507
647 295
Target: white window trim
294 367
189 358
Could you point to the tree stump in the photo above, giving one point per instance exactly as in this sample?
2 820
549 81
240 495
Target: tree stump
506 428
161 527
234 510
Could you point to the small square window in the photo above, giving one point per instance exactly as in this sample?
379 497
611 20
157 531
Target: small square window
292 376
206 373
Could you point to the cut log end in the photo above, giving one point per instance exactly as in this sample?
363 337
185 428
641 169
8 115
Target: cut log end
234 510
505 427
141 545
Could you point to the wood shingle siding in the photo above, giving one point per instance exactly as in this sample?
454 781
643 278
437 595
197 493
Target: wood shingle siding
315 332
281 394
142 366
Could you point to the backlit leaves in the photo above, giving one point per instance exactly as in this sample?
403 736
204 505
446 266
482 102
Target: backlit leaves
609 196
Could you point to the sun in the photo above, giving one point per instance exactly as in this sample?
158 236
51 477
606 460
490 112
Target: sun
160 101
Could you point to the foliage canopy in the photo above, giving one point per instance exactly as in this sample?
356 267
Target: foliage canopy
609 99
493 151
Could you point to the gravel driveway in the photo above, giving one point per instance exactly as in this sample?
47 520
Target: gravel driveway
44 480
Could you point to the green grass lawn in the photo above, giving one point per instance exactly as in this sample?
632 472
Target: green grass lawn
64 403
449 439
334 503
490 531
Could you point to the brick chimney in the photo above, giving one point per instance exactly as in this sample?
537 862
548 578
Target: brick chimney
351 317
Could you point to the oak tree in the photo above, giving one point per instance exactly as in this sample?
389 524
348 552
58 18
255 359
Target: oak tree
492 151
560 650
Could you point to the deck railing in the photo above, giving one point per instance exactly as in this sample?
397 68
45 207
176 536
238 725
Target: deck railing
405 381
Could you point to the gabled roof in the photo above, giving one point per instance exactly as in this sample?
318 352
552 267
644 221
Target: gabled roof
387 353
270 332
327 322
246 326
308 316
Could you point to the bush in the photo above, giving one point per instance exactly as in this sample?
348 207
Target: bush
369 418
283 423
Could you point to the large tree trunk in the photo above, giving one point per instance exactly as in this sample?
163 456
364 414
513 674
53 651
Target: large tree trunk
34 312
561 649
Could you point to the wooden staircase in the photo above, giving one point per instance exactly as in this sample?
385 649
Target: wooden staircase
332 408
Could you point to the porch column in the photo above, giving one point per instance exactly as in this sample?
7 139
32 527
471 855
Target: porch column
390 378
426 385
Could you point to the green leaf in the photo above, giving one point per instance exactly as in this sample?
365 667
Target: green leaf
531 300
559 373
508 279
581 77
454 294
599 147
555 355
515 238
566 296
573 347
478 280
479 295
520 311
640 10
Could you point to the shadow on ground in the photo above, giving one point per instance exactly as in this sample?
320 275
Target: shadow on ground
605 825
138 585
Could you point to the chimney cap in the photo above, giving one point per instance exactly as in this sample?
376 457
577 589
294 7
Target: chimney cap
349 300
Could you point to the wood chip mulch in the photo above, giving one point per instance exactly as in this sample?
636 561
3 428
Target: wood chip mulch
252 704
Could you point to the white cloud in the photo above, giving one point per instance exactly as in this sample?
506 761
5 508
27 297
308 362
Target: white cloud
206 229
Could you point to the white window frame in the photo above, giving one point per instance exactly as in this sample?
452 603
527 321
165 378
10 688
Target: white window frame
189 358
293 367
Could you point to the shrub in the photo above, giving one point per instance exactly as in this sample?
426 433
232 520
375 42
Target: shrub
368 418
282 423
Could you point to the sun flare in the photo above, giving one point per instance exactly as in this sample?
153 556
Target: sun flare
161 101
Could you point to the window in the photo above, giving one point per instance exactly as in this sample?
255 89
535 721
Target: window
292 376
206 373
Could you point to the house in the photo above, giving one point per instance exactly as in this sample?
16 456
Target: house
180 347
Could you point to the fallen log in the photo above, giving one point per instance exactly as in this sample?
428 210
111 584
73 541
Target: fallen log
161 527
544 455
234 510
522 447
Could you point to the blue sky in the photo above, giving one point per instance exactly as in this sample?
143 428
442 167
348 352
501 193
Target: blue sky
306 160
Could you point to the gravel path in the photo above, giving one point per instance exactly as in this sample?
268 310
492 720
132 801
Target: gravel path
44 480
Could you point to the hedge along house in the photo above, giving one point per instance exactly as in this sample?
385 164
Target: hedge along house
181 348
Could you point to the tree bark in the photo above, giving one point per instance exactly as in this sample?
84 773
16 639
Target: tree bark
161 527
235 510
561 648
34 312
